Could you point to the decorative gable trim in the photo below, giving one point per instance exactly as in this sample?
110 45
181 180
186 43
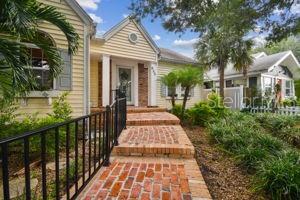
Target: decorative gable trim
114 30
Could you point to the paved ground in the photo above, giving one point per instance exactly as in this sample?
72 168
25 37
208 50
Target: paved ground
152 118
158 141
153 161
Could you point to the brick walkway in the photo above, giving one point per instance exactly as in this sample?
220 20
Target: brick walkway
152 118
151 162
158 141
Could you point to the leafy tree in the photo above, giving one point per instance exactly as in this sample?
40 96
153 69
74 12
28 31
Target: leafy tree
170 80
19 25
223 25
291 43
188 78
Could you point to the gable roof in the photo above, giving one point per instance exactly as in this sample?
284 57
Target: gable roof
80 12
115 29
260 64
172 56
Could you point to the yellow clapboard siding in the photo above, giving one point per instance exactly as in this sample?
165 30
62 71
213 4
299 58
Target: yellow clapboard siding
75 97
119 45
94 82
163 69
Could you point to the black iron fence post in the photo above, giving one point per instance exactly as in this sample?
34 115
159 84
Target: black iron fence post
116 121
125 113
107 135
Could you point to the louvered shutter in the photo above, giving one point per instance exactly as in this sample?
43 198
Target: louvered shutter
192 91
163 90
64 79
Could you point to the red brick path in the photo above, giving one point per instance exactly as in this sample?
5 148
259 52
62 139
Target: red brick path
152 118
154 161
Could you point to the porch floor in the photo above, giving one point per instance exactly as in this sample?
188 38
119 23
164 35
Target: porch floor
151 162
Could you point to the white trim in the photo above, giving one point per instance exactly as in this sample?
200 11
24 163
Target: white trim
289 53
86 71
136 85
80 12
132 81
114 30
105 79
152 87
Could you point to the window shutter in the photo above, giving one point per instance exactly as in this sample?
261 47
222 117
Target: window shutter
64 79
192 91
163 90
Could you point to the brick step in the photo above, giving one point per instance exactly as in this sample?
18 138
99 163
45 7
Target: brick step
131 109
147 178
159 141
152 118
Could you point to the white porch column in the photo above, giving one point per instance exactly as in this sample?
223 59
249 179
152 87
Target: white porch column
105 79
153 80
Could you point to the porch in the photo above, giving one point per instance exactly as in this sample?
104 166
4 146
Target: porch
135 77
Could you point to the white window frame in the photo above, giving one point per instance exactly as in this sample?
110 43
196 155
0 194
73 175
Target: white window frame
36 92
179 92
291 88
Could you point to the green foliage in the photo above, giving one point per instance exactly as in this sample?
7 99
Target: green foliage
7 112
205 111
188 78
276 171
171 81
291 43
200 114
280 176
281 126
15 75
176 110
61 108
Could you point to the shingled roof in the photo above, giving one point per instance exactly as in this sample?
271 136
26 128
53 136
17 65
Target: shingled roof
172 56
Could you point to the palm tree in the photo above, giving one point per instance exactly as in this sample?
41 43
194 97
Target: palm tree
188 78
218 49
170 80
18 25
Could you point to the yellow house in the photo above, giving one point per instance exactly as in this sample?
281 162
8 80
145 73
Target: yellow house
74 77
125 57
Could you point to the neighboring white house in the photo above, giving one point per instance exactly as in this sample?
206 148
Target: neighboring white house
265 72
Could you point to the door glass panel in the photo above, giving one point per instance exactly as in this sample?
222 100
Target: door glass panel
125 82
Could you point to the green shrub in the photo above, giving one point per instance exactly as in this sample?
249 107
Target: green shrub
176 110
201 113
280 176
7 112
61 108
216 103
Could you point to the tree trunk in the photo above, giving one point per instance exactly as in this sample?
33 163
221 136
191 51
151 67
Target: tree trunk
186 95
222 72
173 100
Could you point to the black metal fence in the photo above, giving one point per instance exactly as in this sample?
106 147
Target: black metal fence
81 147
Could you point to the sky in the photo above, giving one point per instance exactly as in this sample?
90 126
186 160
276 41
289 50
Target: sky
108 13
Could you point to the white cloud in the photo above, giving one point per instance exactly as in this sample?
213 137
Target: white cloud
96 18
295 9
156 37
259 41
125 15
185 43
100 33
89 4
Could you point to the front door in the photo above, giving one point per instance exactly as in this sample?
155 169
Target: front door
125 82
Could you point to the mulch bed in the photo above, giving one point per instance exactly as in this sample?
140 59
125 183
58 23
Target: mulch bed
224 179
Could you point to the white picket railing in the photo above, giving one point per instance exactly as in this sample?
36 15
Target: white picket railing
280 110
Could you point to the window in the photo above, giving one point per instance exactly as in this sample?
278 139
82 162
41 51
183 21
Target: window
40 70
182 90
169 92
229 83
179 92
288 88
208 84
267 81
252 82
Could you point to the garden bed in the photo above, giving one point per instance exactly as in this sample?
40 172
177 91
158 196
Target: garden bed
224 179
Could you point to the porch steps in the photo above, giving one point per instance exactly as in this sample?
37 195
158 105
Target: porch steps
151 118
133 109
155 141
